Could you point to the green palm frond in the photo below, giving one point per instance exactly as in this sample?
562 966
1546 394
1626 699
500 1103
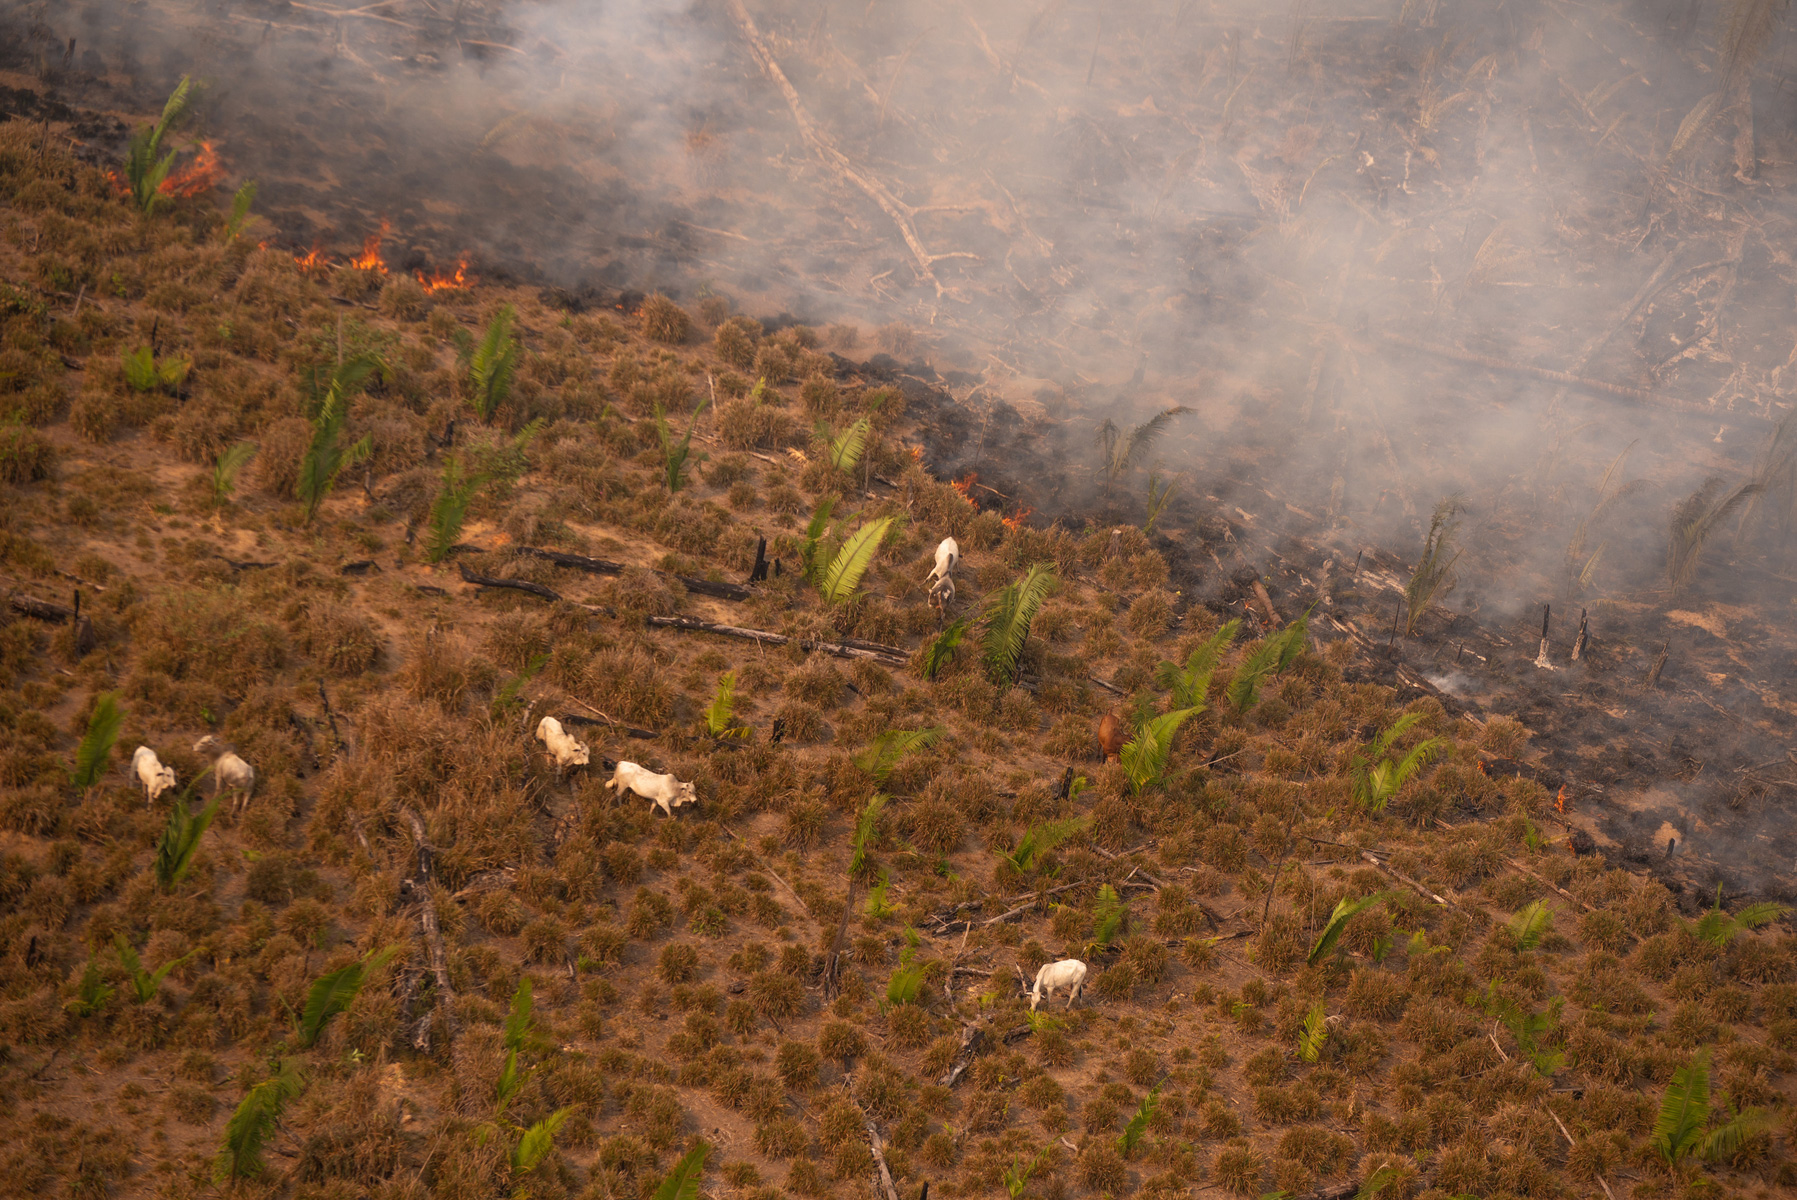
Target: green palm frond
942 648
1313 1035
225 468
519 1022
335 992
811 561
253 1124
538 1142
1110 912
97 743
1345 911
1190 685
145 983
492 365
1694 519
1008 616
325 457
449 510
1277 652
852 561
864 833
240 210
1123 449
1145 756
1684 1110
846 448
1726 1140
181 837
682 1183
146 166
1039 840
906 984
882 757
720 714
1375 779
1531 923
1138 1124
675 453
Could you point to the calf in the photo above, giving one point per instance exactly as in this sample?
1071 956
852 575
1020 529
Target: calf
1111 735
150 772
667 792
1069 973
563 747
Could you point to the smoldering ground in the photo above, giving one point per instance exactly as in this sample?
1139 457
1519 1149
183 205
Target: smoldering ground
1353 237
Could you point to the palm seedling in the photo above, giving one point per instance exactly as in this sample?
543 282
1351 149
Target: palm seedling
1159 492
181 838
1345 911
224 471
91 993
682 1183
882 757
1274 655
240 210
1580 564
1038 840
1110 914
720 714
1718 928
326 457
253 1124
1530 923
1313 1034
334 992
1017 1175
675 453
851 562
96 744
144 372
1377 776
1682 1130
1122 449
1434 574
1190 685
1007 619
519 1035
145 984
878 906
538 1142
906 984
941 648
506 698
811 550
865 827
1529 1028
492 364
846 448
1145 756
454 495
146 166
1694 519
1132 1134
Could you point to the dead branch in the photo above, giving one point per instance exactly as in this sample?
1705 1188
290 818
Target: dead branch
419 886
847 648
600 566
517 585
972 1041
1405 879
1556 887
873 1134
59 614
827 151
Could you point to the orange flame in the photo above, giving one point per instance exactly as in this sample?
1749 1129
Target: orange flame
1016 521
310 261
917 454
120 187
370 258
198 177
439 282
965 487
1560 801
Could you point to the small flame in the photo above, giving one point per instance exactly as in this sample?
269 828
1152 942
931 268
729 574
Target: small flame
1560 801
917 454
370 258
310 261
120 187
198 177
965 487
1015 522
439 282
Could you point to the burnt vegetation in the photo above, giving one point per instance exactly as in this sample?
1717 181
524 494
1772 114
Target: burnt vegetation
1339 942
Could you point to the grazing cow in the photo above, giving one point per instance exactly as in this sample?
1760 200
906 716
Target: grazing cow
1111 735
564 748
942 585
667 792
228 770
150 772
1069 973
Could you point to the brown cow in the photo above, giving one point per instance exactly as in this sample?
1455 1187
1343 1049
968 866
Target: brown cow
1111 736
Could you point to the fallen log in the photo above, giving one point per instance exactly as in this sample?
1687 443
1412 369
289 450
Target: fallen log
629 730
419 888
602 566
873 1139
517 585
847 648
58 614
1405 879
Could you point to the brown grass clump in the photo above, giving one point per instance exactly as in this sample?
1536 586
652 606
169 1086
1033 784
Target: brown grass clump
26 456
664 321
1238 1169
736 341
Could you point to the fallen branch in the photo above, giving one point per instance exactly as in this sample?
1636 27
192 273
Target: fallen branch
847 648
779 877
971 1040
59 614
873 1139
1405 879
517 585
601 566
419 886
834 158
1556 887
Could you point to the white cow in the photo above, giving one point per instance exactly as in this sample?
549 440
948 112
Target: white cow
1069 973
942 585
150 772
563 747
228 770
664 790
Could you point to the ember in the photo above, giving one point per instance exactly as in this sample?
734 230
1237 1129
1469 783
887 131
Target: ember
200 176
370 258
439 282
